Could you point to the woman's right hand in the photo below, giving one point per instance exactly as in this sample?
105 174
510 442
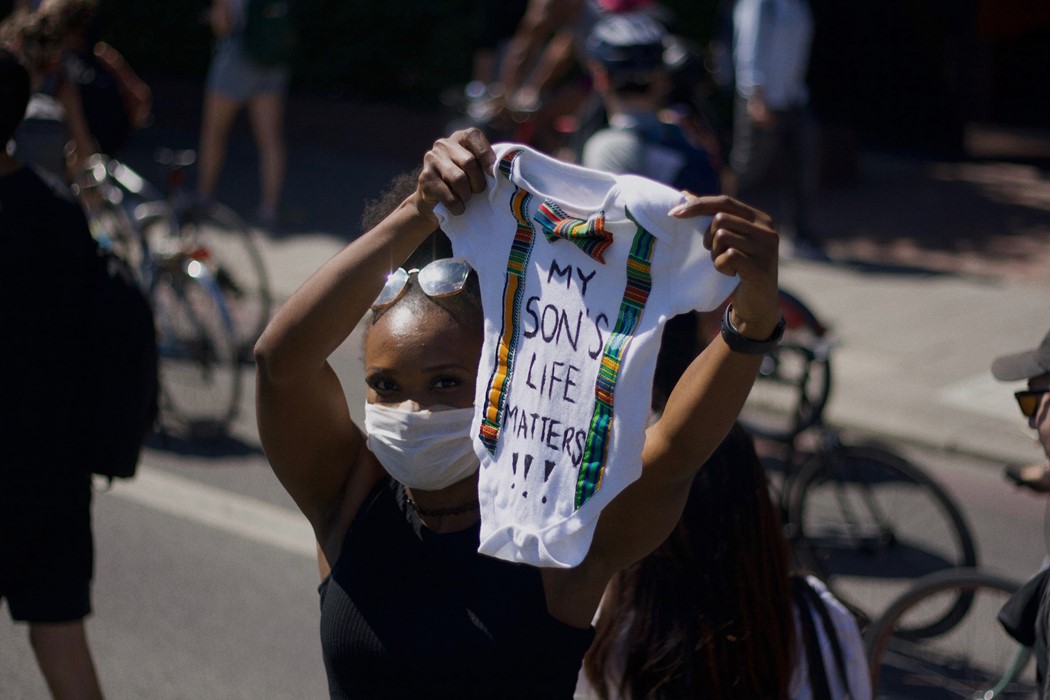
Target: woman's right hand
454 170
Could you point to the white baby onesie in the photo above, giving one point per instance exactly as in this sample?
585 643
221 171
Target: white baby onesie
579 270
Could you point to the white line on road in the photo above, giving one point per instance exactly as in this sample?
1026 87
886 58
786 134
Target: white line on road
224 510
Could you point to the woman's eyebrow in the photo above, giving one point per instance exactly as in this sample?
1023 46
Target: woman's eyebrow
444 366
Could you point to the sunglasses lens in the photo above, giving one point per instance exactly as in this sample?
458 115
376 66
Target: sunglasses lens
444 277
395 283
1029 401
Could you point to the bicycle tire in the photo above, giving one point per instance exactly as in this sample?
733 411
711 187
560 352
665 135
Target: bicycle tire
949 665
799 318
216 234
869 522
199 368
790 393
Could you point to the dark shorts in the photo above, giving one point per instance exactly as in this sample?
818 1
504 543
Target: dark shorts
47 554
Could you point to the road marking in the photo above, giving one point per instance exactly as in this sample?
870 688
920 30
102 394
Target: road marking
223 510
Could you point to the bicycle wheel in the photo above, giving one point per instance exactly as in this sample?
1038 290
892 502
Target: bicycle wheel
218 237
199 369
789 393
975 659
801 321
869 522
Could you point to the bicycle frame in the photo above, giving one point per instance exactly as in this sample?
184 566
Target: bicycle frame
134 201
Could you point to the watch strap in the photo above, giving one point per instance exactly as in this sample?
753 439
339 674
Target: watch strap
745 345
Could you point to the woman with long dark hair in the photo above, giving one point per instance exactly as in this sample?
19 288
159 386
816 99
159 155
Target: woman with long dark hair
715 612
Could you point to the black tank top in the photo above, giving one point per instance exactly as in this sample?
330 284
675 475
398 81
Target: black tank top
407 613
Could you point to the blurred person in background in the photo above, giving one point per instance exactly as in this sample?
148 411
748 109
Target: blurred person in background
54 124
643 136
771 145
238 78
46 544
1027 614
116 101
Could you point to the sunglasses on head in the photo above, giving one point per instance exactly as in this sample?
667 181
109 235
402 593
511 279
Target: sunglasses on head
441 278
1028 400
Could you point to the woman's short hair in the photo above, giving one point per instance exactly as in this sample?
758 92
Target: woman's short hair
464 306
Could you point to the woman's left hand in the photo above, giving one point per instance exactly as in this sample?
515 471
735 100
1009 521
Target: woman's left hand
743 242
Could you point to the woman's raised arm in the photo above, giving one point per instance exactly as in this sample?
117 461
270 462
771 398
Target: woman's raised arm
304 423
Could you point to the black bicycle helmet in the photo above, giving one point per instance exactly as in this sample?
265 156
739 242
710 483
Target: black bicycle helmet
628 43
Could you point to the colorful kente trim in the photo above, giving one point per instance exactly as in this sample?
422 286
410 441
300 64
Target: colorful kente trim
589 236
635 295
513 290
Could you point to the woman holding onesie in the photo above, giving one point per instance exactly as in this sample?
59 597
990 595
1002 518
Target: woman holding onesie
505 471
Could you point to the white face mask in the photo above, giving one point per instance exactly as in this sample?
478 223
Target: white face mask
426 450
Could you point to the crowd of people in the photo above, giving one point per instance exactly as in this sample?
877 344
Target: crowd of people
667 575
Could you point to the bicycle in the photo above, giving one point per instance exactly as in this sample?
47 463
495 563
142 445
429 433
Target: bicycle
972 658
860 516
216 234
199 368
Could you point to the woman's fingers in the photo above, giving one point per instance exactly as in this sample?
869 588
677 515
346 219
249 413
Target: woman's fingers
455 168
744 243
731 230
712 205
744 254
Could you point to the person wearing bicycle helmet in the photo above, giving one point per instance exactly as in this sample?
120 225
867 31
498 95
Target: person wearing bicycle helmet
627 61
410 608
1026 616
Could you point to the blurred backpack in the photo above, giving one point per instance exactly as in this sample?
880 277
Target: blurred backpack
124 382
807 601
269 33
673 160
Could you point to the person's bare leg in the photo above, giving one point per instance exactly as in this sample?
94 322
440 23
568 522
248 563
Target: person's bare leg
219 113
266 112
64 658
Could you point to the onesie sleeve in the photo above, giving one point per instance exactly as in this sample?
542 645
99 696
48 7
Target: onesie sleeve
461 233
477 234
696 285
689 278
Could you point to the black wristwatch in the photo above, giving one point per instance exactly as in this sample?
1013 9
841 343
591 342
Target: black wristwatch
747 346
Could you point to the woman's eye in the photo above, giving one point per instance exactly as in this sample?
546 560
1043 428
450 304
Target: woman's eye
382 385
446 383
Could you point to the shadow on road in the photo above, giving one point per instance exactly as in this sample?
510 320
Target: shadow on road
216 447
